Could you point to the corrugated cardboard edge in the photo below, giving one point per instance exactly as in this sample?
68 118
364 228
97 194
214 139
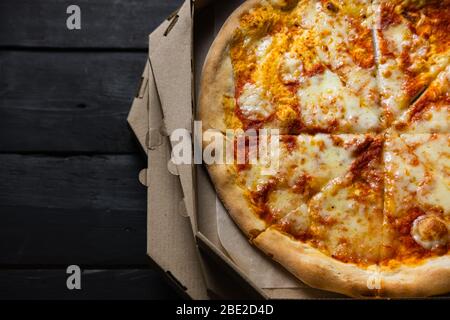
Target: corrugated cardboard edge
180 263
138 115
172 69
241 287
170 241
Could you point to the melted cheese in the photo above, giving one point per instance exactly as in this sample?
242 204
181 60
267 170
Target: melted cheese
291 68
252 103
306 164
433 153
317 156
290 65
398 36
307 14
263 47
417 184
417 173
413 46
283 201
434 119
297 221
324 100
431 112
347 221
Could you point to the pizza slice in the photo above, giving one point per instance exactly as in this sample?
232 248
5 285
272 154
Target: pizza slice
413 46
416 245
272 69
339 232
343 97
431 112
258 194
345 47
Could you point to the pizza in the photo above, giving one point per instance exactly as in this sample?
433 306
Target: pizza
355 97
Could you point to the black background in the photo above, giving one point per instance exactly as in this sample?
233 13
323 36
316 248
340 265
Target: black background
69 192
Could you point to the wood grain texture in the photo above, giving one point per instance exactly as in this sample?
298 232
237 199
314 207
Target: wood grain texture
69 192
104 23
95 284
67 101
76 209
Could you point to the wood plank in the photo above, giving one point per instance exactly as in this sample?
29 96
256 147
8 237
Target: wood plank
104 23
68 101
95 284
87 210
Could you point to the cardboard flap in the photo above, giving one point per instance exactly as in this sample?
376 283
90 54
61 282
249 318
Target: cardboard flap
170 52
170 243
231 269
256 265
138 116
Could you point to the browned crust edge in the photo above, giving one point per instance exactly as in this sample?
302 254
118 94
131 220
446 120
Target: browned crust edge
428 279
315 268
217 75
234 200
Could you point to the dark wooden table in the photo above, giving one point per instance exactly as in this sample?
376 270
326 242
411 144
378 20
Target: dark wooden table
69 192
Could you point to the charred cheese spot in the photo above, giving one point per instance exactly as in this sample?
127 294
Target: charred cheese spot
430 232
284 4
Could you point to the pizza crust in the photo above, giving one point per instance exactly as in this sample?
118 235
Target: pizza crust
232 197
217 80
427 279
320 271
217 75
315 268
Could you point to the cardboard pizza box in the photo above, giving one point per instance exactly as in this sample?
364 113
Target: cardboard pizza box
170 243
182 203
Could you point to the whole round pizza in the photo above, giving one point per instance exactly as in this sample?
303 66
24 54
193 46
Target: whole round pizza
358 90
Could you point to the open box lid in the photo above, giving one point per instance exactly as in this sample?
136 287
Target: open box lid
170 54
138 115
167 218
